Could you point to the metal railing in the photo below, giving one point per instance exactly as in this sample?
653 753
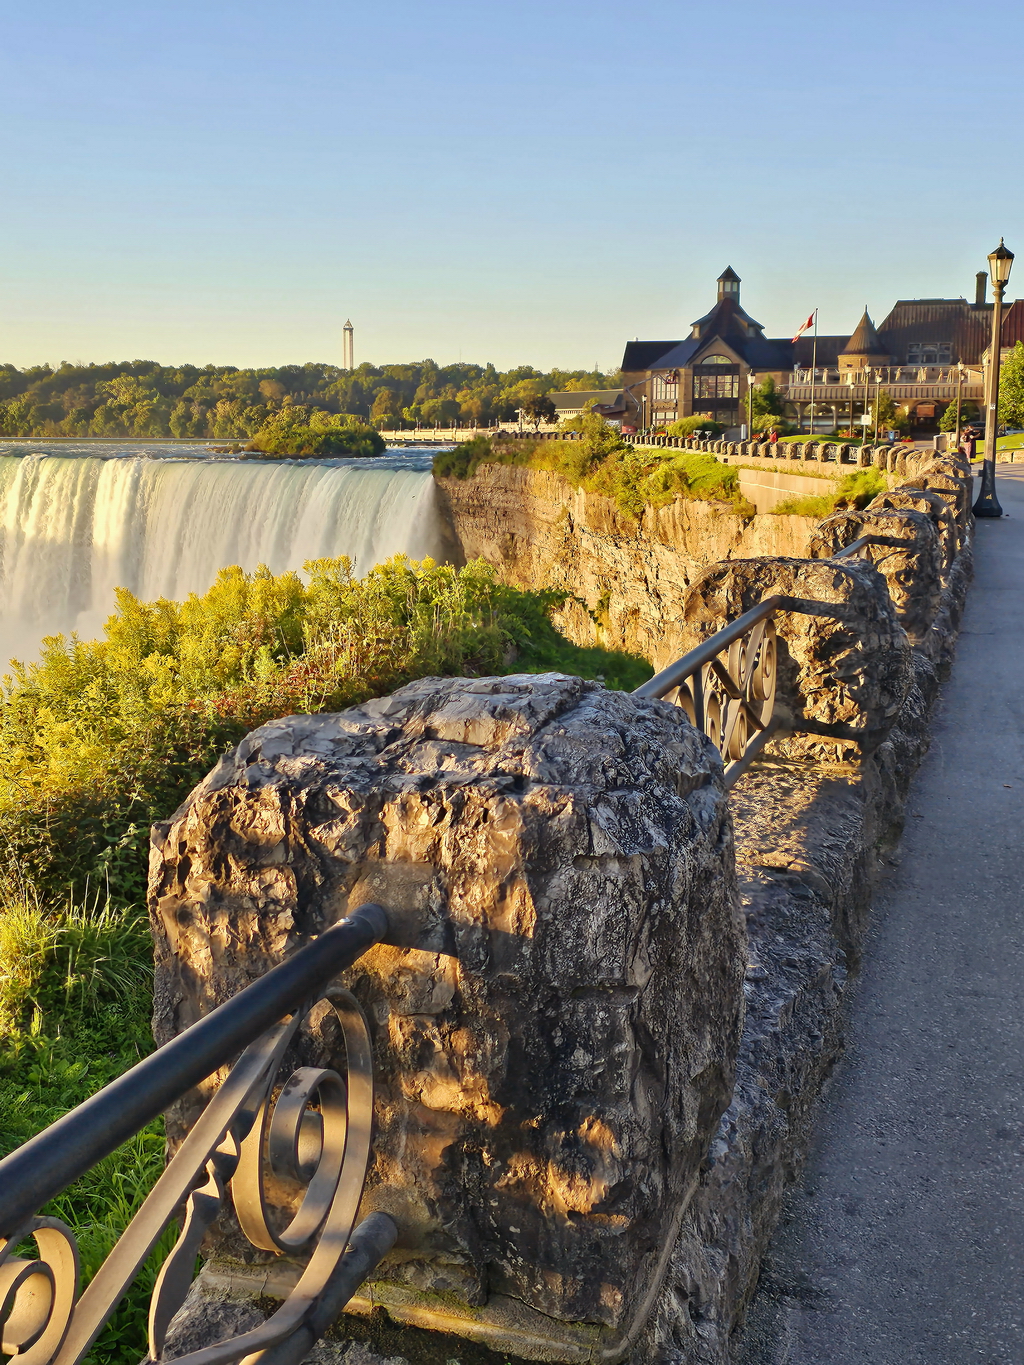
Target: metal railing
728 684
311 1129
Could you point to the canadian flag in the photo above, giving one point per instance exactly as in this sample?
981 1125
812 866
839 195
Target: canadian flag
805 326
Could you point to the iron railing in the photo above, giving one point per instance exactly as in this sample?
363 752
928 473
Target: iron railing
728 684
312 1129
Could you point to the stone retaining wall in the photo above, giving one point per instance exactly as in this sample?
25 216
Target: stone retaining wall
584 1131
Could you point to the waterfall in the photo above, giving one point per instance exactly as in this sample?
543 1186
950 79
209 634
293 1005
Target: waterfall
72 529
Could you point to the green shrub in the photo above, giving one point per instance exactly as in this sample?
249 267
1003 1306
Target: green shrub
857 489
686 426
600 461
100 738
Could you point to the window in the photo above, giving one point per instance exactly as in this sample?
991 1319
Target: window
720 386
716 360
665 387
929 353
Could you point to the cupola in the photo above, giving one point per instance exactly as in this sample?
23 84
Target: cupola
729 285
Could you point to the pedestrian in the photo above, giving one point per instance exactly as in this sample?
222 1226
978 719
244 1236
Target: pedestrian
773 436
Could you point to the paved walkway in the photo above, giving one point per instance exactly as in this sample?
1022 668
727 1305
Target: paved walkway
906 1240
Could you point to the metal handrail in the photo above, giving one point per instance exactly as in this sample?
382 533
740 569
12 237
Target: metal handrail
47 1164
224 1154
732 700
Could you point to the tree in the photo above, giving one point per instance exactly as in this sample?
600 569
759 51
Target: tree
1011 388
767 402
387 410
538 409
885 413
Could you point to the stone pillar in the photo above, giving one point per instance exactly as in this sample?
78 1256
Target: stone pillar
554 1042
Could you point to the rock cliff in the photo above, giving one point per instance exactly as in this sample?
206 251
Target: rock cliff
629 579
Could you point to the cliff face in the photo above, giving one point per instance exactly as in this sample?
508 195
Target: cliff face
631 577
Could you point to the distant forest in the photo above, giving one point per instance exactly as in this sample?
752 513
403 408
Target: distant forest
141 398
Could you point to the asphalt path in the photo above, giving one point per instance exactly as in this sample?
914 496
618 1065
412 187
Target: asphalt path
904 1243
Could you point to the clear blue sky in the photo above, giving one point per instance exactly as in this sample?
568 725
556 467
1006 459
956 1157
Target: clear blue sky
521 182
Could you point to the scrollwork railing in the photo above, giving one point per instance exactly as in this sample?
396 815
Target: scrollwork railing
311 1130
727 686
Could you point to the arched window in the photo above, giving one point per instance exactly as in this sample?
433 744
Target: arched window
715 360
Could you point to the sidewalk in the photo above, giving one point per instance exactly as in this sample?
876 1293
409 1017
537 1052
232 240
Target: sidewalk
905 1241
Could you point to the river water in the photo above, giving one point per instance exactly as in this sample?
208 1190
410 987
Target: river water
78 521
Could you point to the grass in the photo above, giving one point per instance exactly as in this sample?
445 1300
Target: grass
855 490
635 477
75 998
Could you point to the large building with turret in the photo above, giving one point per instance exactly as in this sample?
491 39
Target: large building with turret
914 353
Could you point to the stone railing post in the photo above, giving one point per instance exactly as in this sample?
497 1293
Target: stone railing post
555 1021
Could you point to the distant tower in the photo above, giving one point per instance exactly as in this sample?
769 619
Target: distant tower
348 361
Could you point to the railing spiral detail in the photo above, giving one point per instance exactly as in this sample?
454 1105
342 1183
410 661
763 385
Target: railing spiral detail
309 1132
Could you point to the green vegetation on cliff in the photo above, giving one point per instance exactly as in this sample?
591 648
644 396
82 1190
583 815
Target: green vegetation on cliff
599 461
99 738
142 398
855 490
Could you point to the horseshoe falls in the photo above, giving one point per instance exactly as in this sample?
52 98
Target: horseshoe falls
75 527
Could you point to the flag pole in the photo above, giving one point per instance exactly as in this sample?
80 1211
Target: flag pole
814 366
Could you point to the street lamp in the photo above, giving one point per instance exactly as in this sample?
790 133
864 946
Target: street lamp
999 263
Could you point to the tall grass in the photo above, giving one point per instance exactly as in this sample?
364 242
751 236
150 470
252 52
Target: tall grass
75 996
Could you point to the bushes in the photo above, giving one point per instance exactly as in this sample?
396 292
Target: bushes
686 426
100 738
636 477
855 490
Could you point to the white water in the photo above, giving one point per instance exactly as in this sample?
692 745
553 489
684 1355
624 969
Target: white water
75 526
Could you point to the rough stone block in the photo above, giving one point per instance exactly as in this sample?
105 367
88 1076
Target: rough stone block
912 567
555 1053
844 659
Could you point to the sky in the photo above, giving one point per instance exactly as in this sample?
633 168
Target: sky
528 183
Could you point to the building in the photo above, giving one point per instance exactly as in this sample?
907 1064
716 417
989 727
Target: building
914 354
605 401
348 357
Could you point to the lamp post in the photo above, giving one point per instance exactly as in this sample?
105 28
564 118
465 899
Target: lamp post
959 407
999 263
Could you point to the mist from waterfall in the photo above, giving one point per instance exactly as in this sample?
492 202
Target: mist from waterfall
75 527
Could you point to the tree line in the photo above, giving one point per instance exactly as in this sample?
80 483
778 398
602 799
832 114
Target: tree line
142 398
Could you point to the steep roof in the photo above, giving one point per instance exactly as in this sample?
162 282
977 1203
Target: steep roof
865 340
965 325
644 355
729 274
569 400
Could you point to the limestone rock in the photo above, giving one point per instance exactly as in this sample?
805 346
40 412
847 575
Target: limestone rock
844 660
554 1056
627 579
934 507
910 560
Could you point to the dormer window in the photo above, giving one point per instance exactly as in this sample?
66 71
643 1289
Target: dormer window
730 287
922 353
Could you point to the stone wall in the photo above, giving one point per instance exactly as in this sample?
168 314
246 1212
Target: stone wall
598 1064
